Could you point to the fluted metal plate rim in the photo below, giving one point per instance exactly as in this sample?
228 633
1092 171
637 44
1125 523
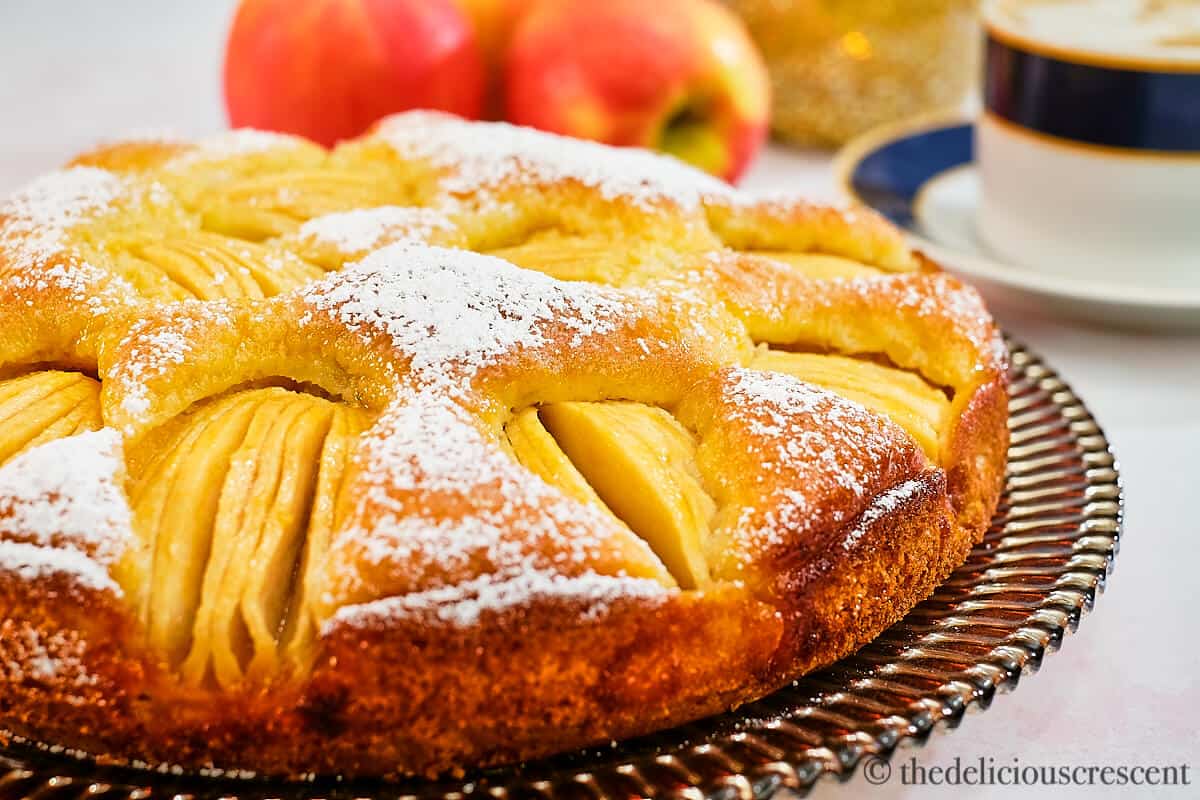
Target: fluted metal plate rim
1042 564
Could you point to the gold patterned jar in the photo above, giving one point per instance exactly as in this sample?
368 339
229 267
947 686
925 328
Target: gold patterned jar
840 67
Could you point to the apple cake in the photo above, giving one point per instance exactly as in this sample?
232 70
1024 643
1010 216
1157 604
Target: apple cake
458 444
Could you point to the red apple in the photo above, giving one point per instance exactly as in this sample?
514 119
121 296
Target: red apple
327 69
680 76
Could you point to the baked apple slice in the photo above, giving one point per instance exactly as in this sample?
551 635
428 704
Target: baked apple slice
818 266
43 406
175 507
301 626
642 463
570 258
909 401
537 450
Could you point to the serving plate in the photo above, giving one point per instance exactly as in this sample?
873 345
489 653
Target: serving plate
1043 562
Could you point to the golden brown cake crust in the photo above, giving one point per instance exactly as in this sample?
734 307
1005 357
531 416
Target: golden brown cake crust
466 612
645 668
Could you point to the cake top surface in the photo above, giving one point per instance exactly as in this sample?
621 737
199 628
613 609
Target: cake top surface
823 447
41 214
363 229
480 155
453 311
172 290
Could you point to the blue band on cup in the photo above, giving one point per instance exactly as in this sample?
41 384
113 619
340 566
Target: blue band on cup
1107 106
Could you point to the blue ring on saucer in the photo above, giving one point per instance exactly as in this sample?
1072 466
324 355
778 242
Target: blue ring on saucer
889 178
1128 109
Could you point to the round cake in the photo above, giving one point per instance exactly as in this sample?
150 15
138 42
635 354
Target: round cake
456 445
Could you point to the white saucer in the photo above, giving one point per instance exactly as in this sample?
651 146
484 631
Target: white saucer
920 174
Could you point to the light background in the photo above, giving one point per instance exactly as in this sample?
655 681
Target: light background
1122 691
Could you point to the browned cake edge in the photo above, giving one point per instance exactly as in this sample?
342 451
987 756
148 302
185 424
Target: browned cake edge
424 699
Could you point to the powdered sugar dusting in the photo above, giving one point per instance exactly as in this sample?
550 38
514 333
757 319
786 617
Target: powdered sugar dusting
937 296
154 346
36 253
454 312
463 605
236 144
37 656
477 155
83 285
157 351
468 527
63 511
32 563
364 229
881 506
831 447
35 220
67 494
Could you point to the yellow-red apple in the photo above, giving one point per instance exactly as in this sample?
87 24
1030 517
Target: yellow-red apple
680 76
494 21
327 69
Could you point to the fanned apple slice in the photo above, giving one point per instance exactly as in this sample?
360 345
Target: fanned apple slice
245 221
269 576
819 266
43 406
174 509
16 392
262 206
910 402
217 641
209 266
272 270
641 463
258 492
149 281
223 498
567 257
85 416
237 506
301 627
196 272
24 394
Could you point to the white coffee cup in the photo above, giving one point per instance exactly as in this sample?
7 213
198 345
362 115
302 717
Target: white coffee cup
1089 143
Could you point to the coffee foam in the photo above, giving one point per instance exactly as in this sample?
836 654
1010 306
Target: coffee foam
1158 31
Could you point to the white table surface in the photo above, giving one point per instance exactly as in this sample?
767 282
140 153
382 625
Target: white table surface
1122 691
